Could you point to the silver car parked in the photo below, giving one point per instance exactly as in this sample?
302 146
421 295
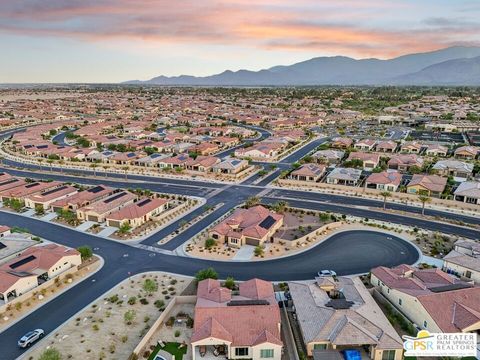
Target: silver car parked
29 338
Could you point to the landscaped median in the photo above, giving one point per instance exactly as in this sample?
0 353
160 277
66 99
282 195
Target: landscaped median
394 197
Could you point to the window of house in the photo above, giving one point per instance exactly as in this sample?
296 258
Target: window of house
425 324
266 353
378 282
319 346
241 351
388 355
399 301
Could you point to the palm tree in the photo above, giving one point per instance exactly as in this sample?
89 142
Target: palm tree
105 167
424 199
126 168
385 194
94 167
252 201
50 162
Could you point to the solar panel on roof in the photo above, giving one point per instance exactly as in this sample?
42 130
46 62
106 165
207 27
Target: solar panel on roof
113 198
450 287
2 245
339 304
267 223
42 146
31 185
9 181
144 202
22 262
95 189
236 162
154 156
247 302
19 273
54 190
131 155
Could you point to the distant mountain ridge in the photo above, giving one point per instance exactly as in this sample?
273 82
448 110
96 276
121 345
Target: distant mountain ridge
457 65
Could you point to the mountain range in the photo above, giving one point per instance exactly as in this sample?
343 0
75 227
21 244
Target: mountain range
459 65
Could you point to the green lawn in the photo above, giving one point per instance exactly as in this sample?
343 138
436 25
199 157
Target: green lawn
171 348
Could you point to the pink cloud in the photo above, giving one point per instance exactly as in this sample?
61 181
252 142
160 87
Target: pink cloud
267 24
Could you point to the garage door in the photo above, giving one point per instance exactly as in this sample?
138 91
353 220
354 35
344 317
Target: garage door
250 241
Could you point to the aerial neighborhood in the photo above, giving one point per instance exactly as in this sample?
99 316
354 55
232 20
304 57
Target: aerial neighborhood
164 223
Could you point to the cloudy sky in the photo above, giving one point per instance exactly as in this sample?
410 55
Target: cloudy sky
116 40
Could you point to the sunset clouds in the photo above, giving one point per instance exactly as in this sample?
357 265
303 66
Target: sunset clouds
284 29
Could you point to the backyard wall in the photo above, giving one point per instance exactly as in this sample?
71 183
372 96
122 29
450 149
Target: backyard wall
177 300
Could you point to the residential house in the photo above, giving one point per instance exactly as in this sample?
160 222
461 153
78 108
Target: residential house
436 150
82 198
262 150
369 160
411 147
243 326
464 260
365 145
338 314
430 298
468 192
308 172
205 148
152 160
384 181
430 185
467 152
30 188
178 161
202 163
388 146
253 226
11 183
329 156
344 176
100 209
138 213
458 169
341 143
230 166
403 162
44 199
33 267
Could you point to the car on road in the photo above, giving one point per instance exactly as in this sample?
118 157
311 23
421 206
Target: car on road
29 338
327 273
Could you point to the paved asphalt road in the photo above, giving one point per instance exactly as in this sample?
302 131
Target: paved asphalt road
346 253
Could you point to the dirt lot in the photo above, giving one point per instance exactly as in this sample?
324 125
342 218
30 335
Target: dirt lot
103 330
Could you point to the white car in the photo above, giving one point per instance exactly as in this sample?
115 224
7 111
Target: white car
327 273
29 338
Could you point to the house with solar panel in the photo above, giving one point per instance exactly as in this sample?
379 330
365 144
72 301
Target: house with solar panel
33 267
431 299
99 210
28 189
82 198
44 199
138 213
230 166
338 313
236 325
253 226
